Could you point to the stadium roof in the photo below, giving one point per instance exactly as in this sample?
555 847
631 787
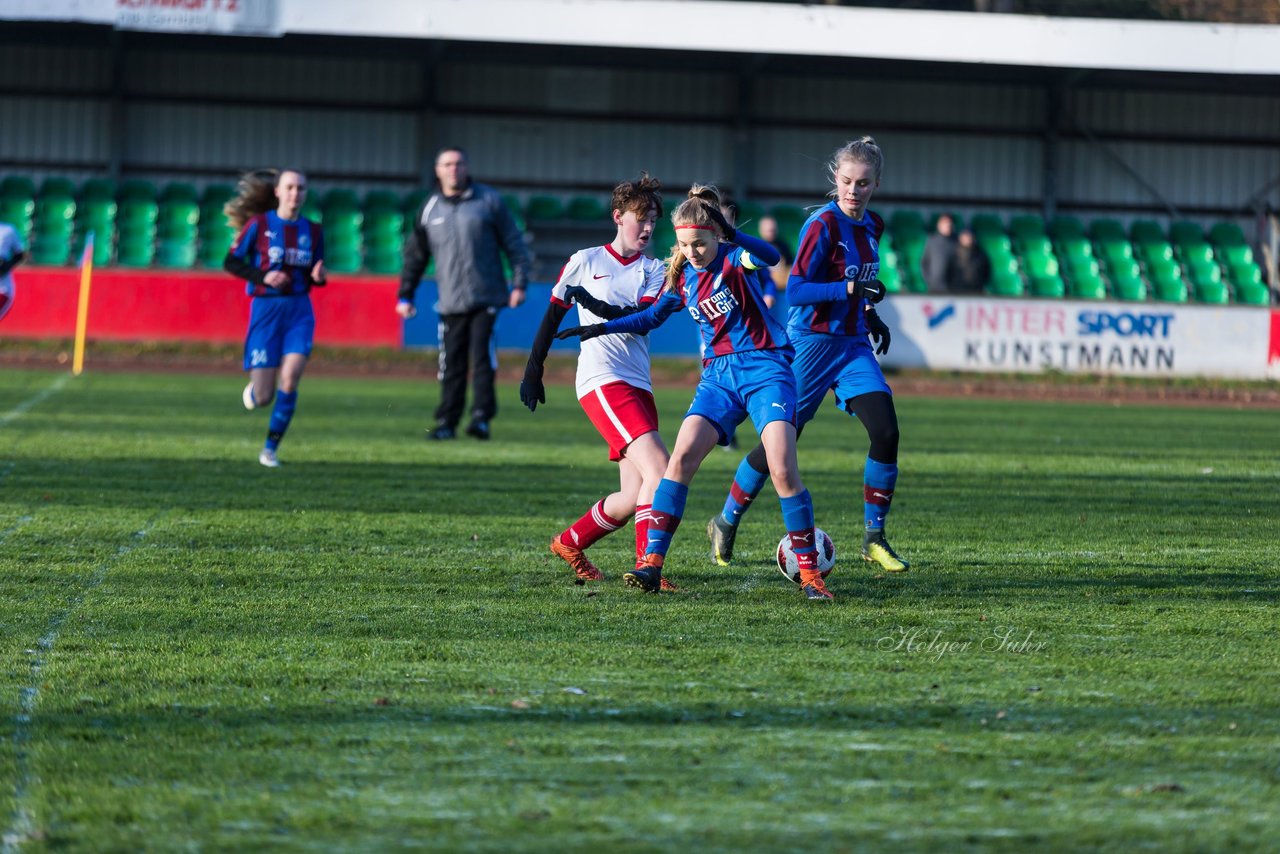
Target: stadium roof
782 29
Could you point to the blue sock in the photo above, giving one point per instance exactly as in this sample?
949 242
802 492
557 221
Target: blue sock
281 415
747 483
797 516
665 515
878 480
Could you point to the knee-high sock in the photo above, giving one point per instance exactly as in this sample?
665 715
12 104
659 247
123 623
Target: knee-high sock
665 515
593 525
642 528
747 483
281 415
878 480
797 515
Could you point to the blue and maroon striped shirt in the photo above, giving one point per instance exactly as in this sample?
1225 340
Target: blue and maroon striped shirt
725 299
834 249
271 243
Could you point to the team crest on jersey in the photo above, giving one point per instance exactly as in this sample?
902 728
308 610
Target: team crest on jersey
275 254
304 241
6 298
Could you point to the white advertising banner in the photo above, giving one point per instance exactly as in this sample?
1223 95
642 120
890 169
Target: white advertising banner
1124 339
221 17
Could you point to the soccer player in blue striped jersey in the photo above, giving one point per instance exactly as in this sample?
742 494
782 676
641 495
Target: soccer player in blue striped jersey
280 256
746 372
832 291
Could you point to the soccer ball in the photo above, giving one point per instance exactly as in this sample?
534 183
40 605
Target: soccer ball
790 567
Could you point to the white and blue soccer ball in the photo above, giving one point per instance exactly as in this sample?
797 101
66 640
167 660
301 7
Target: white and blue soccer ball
790 567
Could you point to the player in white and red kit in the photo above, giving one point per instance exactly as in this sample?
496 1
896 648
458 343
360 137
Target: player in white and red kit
613 384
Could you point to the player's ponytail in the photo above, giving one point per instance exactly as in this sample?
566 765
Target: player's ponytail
255 194
691 212
863 150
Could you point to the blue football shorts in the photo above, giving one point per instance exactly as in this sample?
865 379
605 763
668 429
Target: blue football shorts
836 363
278 325
756 383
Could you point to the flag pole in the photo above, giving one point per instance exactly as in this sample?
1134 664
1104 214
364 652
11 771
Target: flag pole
82 312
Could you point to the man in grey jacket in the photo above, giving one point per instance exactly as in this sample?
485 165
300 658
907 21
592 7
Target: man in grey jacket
466 227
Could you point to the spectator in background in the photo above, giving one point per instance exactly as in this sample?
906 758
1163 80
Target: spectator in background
12 253
939 255
778 273
970 269
467 228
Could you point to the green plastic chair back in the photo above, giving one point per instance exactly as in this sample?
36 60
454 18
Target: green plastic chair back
18 213
51 250
1226 234
1212 293
1204 272
1024 226
131 252
1116 250
54 212
340 199
1006 283
1039 265
1246 273
58 186
18 186
905 223
1146 231
890 279
383 262
1123 268
179 191
179 215
1048 286
381 200
1129 287
1034 245
134 211
1107 230
1064 228
136 189
1236 253
97 189
102 247
1076 250
986 225
212 250
1196 253
179 254
342 261
1155 251
1254 293
1185 231
586 209
545 208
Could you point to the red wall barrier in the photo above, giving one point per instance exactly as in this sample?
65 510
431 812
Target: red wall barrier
171 305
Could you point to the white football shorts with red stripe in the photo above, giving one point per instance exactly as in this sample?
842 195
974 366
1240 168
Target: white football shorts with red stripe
621 413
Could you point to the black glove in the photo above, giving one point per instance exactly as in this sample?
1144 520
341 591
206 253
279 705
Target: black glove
879 332
581 332
598 307
718 218
532 391
872 291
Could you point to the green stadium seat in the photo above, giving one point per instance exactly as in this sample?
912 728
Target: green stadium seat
904 223
215 196
1034 245
545 208
212 251
18 186
179 216
340 199
1064 228
54 213
1195 253
18 212
383 262
98 189
1129 287
664 237
381 200
1234 254
179 191
343 242
58 186
1156 251
986 225
1245 273
342 261
1227 234
133 212
1211 293
586 209
342 222
1254 293
51 249
135 252
1185 231
1167 284
311 210
994 244
1006 280
135 189
1116 250
1144 231
1107 230
1076 251
1026 225
180 254
102 248
384 228
1047 287
889 278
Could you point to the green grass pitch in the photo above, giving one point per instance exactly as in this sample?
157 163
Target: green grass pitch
371 648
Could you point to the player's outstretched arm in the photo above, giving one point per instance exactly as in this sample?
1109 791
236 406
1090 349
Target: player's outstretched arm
532 392
599 307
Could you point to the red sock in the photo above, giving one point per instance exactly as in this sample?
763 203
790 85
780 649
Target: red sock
802 544
642 529
593 525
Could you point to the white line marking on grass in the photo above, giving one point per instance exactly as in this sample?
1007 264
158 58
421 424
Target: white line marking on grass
22 408
22 827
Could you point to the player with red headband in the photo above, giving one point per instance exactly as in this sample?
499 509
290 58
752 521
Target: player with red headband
746 371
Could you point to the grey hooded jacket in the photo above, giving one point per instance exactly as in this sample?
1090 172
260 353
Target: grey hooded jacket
465 234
